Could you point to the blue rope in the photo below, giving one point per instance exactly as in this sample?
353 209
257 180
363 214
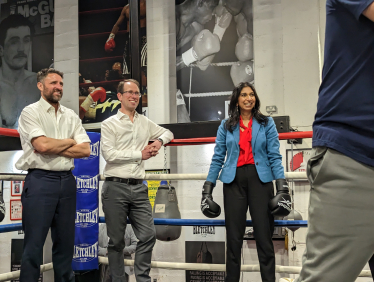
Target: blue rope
180 222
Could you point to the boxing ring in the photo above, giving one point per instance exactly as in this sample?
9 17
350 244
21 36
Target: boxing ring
179 222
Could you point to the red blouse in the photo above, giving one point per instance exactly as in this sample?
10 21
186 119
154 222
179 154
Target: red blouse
245 144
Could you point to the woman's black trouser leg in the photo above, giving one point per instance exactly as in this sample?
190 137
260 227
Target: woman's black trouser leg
371 264
236 205
259 195
247 190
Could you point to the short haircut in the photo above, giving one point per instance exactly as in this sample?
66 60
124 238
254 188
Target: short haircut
13 21
121 85
44 72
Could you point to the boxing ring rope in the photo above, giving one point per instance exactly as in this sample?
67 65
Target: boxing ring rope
182 176
182 266
101 59
189 141
98 83
4 228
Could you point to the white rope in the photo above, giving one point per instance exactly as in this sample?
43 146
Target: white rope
218 267
181 266
15 274
223 64
184 176
209 94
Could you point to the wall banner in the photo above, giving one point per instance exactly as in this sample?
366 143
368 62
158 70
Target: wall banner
86 173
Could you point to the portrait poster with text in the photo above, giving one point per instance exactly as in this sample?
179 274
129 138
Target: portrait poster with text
26 47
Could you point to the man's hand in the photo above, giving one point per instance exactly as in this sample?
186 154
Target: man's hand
147 153
151 150
156 145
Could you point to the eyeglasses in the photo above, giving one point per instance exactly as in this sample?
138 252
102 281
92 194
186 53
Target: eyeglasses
130 92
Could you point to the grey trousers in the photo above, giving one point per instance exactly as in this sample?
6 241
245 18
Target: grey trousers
119 202
340 237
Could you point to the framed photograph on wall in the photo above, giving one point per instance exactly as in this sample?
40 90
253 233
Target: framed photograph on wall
297 159
16 188
15 209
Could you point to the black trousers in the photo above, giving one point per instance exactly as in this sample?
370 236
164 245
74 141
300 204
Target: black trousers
245 191
49 201
371 265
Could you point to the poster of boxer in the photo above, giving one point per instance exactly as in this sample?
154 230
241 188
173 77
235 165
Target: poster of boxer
105 56
26 46
214 42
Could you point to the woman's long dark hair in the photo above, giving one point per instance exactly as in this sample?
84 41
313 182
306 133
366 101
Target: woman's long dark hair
234 111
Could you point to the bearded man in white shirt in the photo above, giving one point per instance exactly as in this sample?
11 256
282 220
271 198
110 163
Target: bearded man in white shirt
124 146
51 137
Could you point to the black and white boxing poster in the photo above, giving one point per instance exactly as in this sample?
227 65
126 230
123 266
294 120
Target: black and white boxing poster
214 42
26 46
205 244
16 257
205 252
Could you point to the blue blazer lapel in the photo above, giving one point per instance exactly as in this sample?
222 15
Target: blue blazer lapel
255 129
236 134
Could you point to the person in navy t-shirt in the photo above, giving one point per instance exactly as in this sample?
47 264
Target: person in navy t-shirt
341 170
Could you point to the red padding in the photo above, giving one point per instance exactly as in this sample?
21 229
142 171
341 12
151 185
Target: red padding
9 132
189 141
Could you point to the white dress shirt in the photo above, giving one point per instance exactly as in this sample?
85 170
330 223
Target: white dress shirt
122 142
40 119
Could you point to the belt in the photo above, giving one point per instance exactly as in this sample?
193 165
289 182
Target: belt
131 181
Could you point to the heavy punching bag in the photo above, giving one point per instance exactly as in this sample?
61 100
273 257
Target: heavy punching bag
166 206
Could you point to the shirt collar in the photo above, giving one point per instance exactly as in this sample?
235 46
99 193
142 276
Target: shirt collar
121 115
47 106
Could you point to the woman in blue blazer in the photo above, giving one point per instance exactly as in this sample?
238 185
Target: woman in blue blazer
249 141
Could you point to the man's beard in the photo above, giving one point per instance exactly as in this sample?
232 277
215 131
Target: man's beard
50 98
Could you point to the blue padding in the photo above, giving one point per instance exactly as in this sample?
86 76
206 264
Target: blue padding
218 222
10 227
180 222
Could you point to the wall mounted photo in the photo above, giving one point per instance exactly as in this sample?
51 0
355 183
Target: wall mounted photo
105 56
16 188
214 46
15 209
26 34
297 159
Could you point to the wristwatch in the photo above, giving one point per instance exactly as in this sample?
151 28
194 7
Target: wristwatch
162 142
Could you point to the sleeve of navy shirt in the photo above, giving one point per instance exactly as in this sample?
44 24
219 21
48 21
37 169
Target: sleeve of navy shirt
355 6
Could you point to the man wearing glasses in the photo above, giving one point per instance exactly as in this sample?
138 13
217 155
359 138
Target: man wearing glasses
124 146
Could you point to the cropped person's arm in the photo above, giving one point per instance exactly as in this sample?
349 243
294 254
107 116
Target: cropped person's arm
369 12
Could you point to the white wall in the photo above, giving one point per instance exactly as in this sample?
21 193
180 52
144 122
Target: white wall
288 36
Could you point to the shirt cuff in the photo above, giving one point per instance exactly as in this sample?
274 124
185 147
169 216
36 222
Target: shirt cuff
137 156
35 133
82 138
